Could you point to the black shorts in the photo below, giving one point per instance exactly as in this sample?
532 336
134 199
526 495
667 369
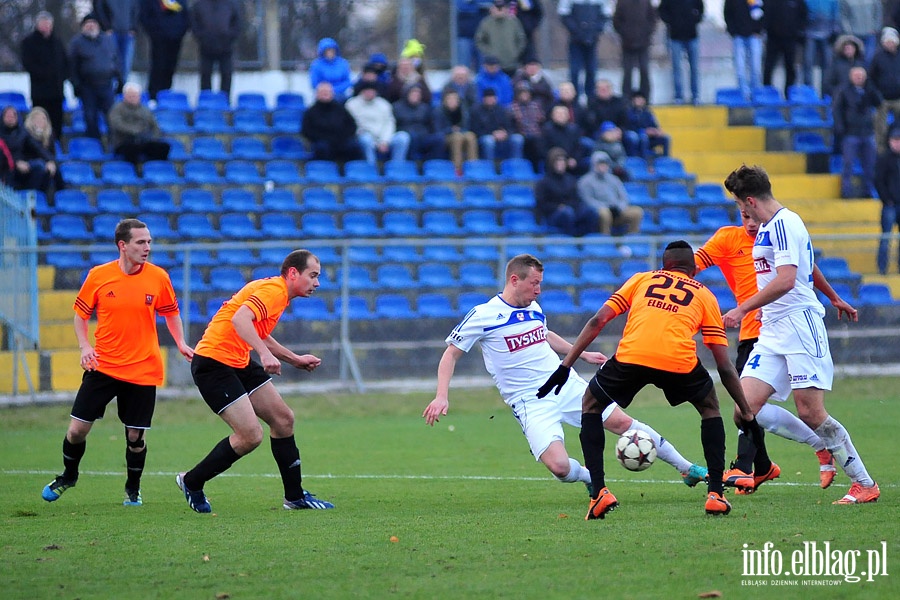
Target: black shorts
620 382
743 353
135 402
221 385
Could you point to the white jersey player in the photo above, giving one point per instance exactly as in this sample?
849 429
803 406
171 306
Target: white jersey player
792 354
520 352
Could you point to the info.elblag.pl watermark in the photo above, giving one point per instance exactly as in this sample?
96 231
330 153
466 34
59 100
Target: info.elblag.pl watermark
813 564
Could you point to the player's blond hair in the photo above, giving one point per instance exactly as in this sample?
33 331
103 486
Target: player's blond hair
520 264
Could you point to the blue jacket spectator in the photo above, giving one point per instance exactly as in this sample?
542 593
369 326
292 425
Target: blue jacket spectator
95 71
642 131
330 66
490 76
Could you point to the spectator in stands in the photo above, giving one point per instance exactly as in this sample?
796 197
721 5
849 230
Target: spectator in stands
884 72
133 131
165 22
416 117
745 26
94 72
414 50
34 166
610 142
404 75
784 22
490 76
493 125
635 22
376 128
681 18
379 62
45 59
642 131
329 66
120 19
822 25
852 107
463 85
556 199
566 96
603 106
541 86
528 119
7 165
848 53
501 35
369 74
329 127
38 126
584 20
529 13
863 19
217 25
469 14
604 193
558 132
887 183
453 121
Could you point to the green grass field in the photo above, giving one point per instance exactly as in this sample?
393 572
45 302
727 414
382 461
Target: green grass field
474 515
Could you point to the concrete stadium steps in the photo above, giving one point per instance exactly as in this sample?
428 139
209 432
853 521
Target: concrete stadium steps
46 277
56 305
715 165
671 116
840 214
32 359
60 335
65 370
788 187
715 139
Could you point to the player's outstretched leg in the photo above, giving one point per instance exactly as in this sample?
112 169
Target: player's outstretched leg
783 423
864 489
72 454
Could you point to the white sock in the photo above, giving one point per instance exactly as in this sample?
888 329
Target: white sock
837 440
576 473
784 423
664 449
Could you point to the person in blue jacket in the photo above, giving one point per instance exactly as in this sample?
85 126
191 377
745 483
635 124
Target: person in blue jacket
330 66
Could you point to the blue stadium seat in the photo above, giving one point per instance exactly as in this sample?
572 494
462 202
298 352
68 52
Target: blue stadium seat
724 297
805 95
279 225
638 194
558 302
401 224
401 254
78 173
115 202
603 250
249 148
322 171
289 147
469 300
517 196
440 223
251 122
239 200
361 255
103 256
480 170
766 96
357 308
440 197
157 200
242 172
67 260
361 198
441 253
226 279
280 200
283 172
320 199
807 116
209 148
238 226
290 100
436 275
481 222
404 171
159 227
436 306
161 172
558 251
287 120
479 196
358 276
177 150
393 306
199 258
319 225
202 172
598 273
88 149
519 221
711 218
173 122
69 228
630 266
172 100
871 294
360 225
676 220
15 99
476 252
104 227
673 193
667 167
239 257
42 206
213 100
810 142
197 227
251 101
211 122
315 309
199 200
395 276
517 169
359 171
119 173
439 169
73 202
770 118
732 98
477 275
638 169
711 194
835 268
195 279
398 197
328 255
591 299
559 274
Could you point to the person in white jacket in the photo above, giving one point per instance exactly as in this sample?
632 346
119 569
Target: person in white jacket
376 126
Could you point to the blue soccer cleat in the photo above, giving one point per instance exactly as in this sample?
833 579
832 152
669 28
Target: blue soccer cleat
307 501
53 490
695 475
133 498
196 500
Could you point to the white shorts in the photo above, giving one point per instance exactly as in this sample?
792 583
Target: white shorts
792 353
541 419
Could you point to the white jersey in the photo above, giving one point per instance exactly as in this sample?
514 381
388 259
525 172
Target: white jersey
784 240
513 343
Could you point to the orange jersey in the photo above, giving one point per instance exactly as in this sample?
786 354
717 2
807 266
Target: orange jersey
731 249
267 298
667 308
126 342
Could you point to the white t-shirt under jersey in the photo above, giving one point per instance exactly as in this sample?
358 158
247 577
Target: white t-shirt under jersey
784 240
513 343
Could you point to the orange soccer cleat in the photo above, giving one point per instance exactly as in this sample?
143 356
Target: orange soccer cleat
826 467
716 504
604 503
860 495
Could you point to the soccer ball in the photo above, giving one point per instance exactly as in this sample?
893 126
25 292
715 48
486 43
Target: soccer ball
636 450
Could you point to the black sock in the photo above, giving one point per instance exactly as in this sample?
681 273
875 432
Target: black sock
134 461
72 454
217 461
712 436
287 457
593 440
746 453
757 434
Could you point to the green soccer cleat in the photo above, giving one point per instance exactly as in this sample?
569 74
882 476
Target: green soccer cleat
695 475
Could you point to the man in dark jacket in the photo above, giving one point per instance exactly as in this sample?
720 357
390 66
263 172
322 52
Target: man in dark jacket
329 128
530 13
784 22
556 199
120 19
558 132
853 106
584 20
745 28
635 22
217 25
165 22
681 18
47 63
493 125
603 106
34 166
884 72
94 73
416 118
133 131
887 183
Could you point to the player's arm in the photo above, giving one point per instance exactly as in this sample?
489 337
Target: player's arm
176 329
299 361
730 379
561 346
588 334
821 284
437 408
243 325
88 354
785 278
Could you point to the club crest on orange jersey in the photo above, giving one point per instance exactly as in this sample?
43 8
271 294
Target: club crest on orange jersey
148 299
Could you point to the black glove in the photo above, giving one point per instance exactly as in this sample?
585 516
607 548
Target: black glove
557 380
754 432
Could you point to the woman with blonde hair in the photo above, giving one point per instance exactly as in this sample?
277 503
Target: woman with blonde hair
38 125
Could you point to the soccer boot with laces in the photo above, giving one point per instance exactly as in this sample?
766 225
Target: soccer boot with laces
195 499
604 503
308 501
695 475
53 490
716 504
860 495
826 468
133 498
738 479
773 473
